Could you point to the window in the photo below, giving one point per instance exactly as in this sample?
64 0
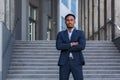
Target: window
63 25
32 22
65 2
73 6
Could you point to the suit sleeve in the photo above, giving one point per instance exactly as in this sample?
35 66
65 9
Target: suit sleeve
82 43
59 43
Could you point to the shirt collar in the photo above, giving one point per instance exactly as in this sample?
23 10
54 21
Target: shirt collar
71 30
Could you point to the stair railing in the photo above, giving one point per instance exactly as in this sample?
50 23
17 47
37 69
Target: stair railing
117 26
102 28
7 49
114 25
10 37
116 41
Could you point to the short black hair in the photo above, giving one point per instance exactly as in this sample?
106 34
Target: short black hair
69 15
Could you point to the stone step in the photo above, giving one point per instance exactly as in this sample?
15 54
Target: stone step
45 63
37 79
57 68
37 60
69 79
56 76
52 48
58 52
53 41
47 51
55 64
57 72
56 57
51 45
55 60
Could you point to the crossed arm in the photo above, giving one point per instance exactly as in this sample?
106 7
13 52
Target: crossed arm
71 46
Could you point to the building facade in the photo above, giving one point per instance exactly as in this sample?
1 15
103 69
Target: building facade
99 19
29 19
66 7
39 19
42 19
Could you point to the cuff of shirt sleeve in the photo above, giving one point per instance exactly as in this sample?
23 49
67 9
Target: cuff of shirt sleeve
71 44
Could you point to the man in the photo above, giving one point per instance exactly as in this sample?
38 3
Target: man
71 42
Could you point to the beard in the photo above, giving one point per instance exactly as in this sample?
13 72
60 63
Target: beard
69 27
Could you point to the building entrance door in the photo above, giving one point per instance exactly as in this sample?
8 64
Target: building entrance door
32 23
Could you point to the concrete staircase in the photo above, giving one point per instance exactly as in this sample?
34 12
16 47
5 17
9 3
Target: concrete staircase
37 60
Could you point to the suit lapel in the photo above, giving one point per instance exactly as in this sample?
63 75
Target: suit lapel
73 35
66 35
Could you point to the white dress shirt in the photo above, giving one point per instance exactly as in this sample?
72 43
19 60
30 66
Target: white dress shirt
69 35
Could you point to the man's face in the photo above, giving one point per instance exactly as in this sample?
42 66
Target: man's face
70 21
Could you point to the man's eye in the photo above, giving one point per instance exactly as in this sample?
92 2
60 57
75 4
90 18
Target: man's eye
70 20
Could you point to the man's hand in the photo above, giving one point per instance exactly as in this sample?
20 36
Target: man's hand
74 43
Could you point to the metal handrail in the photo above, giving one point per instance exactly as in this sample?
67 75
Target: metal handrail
101 28
118 27
110 21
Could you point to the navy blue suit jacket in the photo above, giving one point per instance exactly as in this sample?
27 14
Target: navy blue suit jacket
63 44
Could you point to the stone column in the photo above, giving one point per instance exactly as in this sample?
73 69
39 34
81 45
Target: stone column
2 10
45 19
96 15
54 7
10 14
90 17
24 19
101 19
79 13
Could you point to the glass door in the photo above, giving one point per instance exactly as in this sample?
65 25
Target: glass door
49 29
32 23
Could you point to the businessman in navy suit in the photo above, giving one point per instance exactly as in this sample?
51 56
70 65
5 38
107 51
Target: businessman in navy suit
71 42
